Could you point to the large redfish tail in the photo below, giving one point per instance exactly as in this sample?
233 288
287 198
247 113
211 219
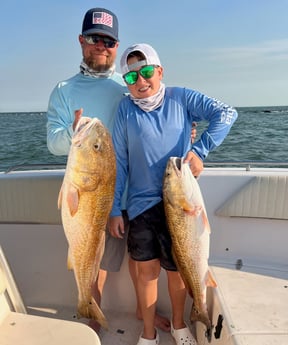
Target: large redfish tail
91 310
202 316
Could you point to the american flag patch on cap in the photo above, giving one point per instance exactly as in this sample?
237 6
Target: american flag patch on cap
103 18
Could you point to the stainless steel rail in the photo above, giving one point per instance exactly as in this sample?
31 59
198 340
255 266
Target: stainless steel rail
35 167
246 164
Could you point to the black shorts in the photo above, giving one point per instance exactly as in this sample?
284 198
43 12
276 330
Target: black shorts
149 238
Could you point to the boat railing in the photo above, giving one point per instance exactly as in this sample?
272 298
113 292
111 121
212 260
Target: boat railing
247 164
208 164
50 166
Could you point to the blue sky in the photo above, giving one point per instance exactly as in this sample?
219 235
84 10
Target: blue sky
236 51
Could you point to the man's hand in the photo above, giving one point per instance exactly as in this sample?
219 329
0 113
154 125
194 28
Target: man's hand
193 132
78 113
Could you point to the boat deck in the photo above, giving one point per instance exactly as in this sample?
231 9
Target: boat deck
259 317
124 327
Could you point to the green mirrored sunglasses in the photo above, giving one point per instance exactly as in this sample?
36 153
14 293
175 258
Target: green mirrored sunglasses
146 72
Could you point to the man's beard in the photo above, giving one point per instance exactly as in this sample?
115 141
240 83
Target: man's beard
96 66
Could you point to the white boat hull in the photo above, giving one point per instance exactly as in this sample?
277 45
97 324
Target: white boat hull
248 256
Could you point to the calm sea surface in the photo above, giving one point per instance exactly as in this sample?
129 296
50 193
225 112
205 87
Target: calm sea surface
259 134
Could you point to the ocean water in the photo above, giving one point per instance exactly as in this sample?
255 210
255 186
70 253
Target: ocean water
259 134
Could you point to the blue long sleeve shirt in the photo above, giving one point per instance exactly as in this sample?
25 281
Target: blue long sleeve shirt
144 141
99 97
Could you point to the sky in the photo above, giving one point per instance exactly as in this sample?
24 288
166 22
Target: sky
236 51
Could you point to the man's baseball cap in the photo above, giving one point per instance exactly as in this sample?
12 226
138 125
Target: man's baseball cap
151 56
100 21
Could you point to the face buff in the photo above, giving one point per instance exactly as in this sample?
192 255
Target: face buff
152 102
86 70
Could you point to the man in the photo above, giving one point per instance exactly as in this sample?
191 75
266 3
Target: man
95 91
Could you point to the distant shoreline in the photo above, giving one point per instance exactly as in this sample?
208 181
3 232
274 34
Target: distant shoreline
267 109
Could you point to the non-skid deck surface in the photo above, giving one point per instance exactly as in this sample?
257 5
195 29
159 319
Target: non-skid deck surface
124 328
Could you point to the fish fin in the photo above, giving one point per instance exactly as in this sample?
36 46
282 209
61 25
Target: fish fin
60 197
210 280
91 310
69 260
194 314
200 315
205 221
191 210
73 199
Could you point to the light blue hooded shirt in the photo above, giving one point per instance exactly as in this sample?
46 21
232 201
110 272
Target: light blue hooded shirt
99 97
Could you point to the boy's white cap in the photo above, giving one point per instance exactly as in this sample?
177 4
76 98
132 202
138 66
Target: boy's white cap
151 57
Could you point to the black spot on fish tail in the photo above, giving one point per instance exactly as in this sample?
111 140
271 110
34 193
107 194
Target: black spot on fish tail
208 333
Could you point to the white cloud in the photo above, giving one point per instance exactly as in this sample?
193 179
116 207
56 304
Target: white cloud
273 50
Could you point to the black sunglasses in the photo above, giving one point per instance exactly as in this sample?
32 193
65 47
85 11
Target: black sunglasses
107 41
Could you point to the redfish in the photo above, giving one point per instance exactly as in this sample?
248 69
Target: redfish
190 232
85 200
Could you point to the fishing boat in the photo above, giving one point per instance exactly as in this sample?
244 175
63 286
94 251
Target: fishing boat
247 207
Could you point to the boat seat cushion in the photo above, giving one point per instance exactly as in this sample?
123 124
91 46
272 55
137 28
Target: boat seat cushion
30 199
261 197
17 327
